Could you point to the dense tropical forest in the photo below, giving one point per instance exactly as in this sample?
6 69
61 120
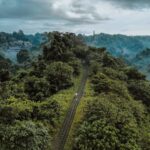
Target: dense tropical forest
36 92
127 47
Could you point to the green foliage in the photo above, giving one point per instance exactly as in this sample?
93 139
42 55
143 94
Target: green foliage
115 74
80 51
37 88
33 102
48 111
134 74
25 135
99 136
109 61
13 109
96 54
5 67
140 91
19 35
4 90
4 75
61 46
112 119
95 67
5 63
102 83
76 65
111 123
38 68
23 56
59 76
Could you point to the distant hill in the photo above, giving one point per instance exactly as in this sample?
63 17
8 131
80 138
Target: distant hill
142 61
119 45
36 39
134 49
12 43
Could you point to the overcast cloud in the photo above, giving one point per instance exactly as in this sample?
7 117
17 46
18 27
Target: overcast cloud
80 16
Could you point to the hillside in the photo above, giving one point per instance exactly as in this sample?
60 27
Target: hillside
127 47
11 44
117 45
113 112
142 61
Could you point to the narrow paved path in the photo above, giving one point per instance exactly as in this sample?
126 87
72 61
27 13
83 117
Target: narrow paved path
63 134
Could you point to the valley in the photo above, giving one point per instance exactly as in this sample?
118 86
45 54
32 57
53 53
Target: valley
73 97
128 48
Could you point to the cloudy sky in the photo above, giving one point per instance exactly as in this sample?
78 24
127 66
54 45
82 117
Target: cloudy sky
131 17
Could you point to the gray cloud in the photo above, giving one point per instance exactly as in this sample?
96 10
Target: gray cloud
74 15
29 9
73 11
131 4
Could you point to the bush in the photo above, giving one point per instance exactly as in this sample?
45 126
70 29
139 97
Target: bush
13 109
23 56
112 122
95 67
134 74
4 75
59 76
46 111
38 69
37 88
101 83
60 48
76 65
109 61
4 90
5 64
115 74
25 135
140 91
96 136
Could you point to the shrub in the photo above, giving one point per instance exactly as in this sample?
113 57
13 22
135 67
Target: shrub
134 74
140 91
101 83
4 75
23 56
25 135
46 111
115 74
59 76
111 123
14 109
76 65
37 88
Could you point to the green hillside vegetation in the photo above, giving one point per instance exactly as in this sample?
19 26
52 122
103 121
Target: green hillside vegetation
35 98
114 114
119 44
142 61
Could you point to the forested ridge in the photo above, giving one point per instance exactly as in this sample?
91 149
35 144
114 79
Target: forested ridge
35 96
114 114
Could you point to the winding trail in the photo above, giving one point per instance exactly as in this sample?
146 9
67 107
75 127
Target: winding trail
64 131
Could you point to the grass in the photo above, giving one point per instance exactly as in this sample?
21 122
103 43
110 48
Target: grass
79 115
64 99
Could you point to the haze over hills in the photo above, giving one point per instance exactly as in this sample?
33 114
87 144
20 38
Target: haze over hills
64 89
119 45
128 47
11 44
70 94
